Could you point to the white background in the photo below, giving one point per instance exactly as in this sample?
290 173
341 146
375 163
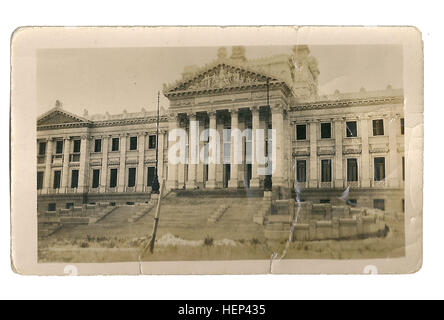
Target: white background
427 283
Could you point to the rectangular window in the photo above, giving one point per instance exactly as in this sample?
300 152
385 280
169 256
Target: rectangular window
69 205
133 143
301 132
151 173
301 174
326 170
76 147
403 168
113 178
324 201
351 129
98 145
378 127
96 176
131 177
51 207
39 180
352 169
74 179
56 184
152 142
379 204
402 126
42 148
115 144
59 146
325 130
379 168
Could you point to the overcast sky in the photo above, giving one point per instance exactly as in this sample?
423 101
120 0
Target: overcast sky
112 80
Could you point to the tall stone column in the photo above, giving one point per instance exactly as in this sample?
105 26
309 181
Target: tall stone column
104 169
65 170
365 154
214 156
84 165
339 131
122 167
48 162
193 151
313 136
254 182
235 149
277 123
172 168
393 173
141 161
200 166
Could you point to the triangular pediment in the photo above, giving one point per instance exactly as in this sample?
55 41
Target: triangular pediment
220 76
58 116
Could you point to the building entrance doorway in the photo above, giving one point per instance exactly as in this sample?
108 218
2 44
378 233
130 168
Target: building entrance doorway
227 173
247 177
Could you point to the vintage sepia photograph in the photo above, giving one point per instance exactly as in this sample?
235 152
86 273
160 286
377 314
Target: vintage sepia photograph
236 152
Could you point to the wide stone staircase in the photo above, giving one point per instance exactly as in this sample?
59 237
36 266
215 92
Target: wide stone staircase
188 214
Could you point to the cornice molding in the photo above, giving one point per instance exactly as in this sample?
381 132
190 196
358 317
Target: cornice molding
347 103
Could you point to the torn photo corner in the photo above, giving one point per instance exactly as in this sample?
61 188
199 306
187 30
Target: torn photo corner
209 150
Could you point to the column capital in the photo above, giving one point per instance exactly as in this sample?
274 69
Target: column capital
254 109
211 113
277 108
192 115
84 137
338 119
173 116
233 111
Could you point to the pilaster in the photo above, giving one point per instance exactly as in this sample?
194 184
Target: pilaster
339 131
104 169
122 166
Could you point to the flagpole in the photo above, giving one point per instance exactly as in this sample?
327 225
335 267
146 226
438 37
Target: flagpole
155 187
268 184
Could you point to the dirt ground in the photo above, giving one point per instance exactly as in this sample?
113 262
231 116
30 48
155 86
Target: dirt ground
226 242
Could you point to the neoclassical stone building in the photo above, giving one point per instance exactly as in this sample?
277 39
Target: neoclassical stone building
345 145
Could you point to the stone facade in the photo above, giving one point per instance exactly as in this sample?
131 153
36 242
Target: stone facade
325 145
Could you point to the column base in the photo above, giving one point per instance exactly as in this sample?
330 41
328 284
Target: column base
279 182
121 189
139 188
393 183
365 183
211 184
171 185
255 183
190 184
339 183
233 183
313 183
